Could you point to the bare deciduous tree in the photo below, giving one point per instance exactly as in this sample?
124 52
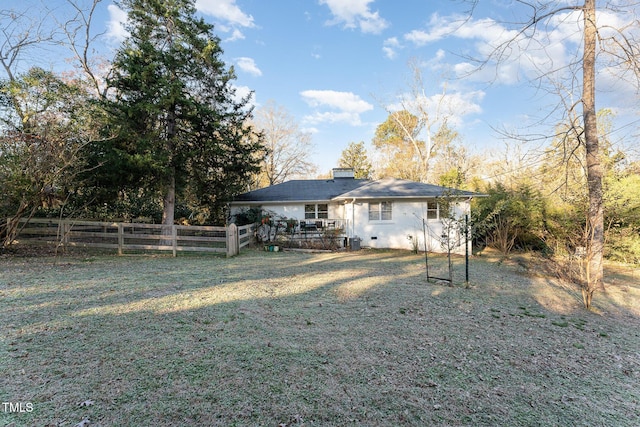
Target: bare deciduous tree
288 148
22 33
79 38
47 27
621 46
421 124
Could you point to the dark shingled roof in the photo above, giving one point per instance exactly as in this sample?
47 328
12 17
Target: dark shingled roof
346 188
399 188
302 190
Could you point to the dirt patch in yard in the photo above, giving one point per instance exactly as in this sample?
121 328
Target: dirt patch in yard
328 339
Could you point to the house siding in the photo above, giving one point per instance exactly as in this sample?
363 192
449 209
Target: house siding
406 221
294 210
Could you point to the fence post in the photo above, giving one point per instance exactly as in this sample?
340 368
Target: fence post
174 238
232 240
120 238
66 229
466 250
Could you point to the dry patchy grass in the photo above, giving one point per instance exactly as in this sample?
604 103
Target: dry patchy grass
312 339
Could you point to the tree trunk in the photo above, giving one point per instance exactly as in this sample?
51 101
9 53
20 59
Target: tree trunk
169 202
595 216
168 210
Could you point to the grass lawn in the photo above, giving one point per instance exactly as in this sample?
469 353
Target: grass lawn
332 339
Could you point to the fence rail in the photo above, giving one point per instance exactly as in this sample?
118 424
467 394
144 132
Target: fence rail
123 236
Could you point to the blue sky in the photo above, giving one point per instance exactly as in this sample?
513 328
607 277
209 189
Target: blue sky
338 66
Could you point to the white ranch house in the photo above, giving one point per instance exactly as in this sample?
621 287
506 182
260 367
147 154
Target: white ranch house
386 213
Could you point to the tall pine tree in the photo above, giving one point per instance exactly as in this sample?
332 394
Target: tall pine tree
355 157
180 128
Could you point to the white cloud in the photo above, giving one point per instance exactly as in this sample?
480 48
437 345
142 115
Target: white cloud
226 10
439 55
550 50
235 35
230 16
392 42
390 47
460 104
486 30
241 92
115 24
389 52
333 117
546 50
346 106
248 65
310 130
356 14
346 101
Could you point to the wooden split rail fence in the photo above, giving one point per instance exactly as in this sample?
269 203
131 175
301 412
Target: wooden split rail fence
127 237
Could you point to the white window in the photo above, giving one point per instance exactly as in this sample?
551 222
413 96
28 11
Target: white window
432 209
380 211
316 211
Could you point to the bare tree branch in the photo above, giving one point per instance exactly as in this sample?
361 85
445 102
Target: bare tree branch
79 39
288 148
21 32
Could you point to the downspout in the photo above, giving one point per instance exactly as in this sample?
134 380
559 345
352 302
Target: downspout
353 218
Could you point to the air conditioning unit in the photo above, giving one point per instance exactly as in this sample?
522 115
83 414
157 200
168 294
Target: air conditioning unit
354 243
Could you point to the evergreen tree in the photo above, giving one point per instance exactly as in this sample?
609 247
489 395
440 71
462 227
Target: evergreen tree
180 129
355 157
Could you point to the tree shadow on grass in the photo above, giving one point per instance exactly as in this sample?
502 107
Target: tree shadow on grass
124 357
320 339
